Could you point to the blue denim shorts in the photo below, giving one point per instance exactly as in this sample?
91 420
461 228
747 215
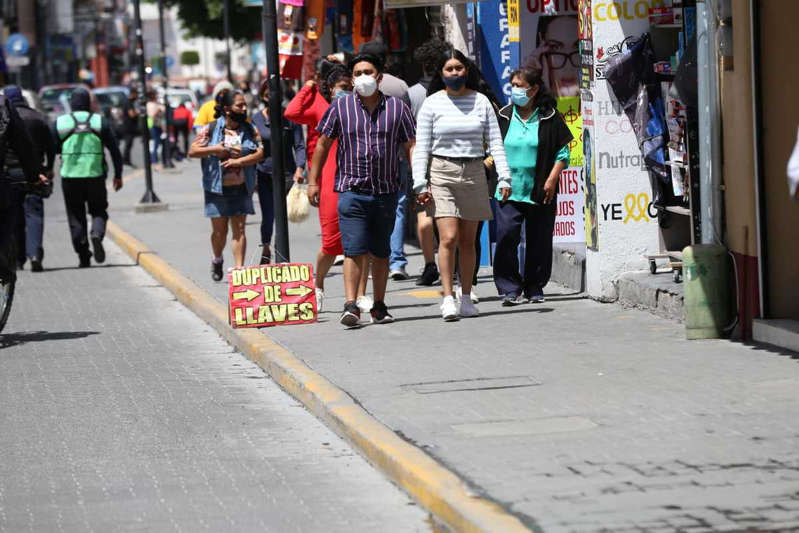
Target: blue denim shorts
366 222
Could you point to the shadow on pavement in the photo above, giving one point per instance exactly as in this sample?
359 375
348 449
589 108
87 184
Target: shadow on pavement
774 350
104 265
16 339
482 314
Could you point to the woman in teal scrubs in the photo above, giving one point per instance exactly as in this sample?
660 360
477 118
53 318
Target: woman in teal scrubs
536 142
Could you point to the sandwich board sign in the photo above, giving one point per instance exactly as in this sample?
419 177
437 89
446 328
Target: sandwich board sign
271 295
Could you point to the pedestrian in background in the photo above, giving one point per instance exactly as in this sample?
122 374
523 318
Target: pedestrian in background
371 129
207 111
80 138
155 121
182 124
456 123
393 86
293 158
30 223
333 81
130 125
427 55
230 148
537 146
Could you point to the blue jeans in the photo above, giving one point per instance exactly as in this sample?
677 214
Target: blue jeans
155 143
397 259
266 199
34 225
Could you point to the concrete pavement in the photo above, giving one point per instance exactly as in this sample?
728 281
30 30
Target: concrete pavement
121 410
574 415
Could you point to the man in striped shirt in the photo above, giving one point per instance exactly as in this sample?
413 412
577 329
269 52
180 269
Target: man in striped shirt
371 128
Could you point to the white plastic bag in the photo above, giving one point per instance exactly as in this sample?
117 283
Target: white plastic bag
297 203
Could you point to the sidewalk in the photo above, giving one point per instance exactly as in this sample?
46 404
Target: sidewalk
573 415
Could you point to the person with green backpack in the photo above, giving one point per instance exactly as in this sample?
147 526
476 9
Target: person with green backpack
81 137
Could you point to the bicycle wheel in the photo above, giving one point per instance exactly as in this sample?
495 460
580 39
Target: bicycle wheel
6 298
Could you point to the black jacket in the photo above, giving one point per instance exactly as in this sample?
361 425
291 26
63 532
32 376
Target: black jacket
553 134
18 140
40 134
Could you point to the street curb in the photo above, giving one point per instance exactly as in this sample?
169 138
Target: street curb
433 486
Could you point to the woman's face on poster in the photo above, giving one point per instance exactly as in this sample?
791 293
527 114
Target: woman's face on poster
561 59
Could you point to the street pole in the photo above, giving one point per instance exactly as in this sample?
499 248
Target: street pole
167 153
149 194
227 40
276 129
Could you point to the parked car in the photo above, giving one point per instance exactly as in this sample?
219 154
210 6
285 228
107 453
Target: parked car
111 102
179 96
55 98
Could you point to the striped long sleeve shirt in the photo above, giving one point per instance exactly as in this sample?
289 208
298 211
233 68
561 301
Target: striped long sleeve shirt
460 126
368 143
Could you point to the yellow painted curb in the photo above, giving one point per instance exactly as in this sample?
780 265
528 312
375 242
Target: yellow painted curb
437 489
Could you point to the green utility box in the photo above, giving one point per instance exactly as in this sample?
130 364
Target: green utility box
706 274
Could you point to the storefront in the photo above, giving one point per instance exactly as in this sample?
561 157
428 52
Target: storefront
760 117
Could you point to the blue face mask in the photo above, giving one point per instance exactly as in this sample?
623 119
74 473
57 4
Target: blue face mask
518 96
340 93
455 83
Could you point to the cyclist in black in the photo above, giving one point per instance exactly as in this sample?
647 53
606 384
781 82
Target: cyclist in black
14 135
30 226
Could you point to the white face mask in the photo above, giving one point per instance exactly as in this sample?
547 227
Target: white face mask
365 85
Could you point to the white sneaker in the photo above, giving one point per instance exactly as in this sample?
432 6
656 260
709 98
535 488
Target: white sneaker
468 309
365 303
473 295
320 300
339 260
449 310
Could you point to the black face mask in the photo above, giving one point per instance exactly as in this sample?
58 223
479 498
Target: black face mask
455 83
241 118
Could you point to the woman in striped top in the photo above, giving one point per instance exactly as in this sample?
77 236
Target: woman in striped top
455 125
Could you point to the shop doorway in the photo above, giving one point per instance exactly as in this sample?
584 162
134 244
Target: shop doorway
779 216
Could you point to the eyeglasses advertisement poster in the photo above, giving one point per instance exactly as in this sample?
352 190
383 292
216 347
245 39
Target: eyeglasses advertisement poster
271 295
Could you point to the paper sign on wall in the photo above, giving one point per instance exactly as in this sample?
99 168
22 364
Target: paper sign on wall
271 295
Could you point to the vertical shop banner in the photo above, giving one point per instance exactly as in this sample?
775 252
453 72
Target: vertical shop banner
271 295
498 56
514 19
585 24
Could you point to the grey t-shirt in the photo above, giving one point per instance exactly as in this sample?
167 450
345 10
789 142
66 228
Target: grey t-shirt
393 86
417 94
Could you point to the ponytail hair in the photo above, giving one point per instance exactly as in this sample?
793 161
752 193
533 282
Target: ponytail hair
224 99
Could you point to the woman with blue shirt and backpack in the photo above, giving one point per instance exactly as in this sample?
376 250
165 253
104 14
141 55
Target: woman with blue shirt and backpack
230 148
536 140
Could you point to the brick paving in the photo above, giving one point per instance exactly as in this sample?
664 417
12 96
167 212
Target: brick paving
121 410
575 415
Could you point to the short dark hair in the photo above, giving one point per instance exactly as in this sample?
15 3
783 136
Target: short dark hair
534 76
428 54
376 62
336 73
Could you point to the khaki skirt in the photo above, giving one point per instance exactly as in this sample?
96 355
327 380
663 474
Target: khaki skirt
459 190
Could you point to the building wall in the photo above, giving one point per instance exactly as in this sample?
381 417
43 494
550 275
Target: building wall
626 230
740 232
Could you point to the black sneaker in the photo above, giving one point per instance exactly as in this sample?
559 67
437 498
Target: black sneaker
537 296
380 314
36 264
351 316
99 251
85 260
429 275
216 270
